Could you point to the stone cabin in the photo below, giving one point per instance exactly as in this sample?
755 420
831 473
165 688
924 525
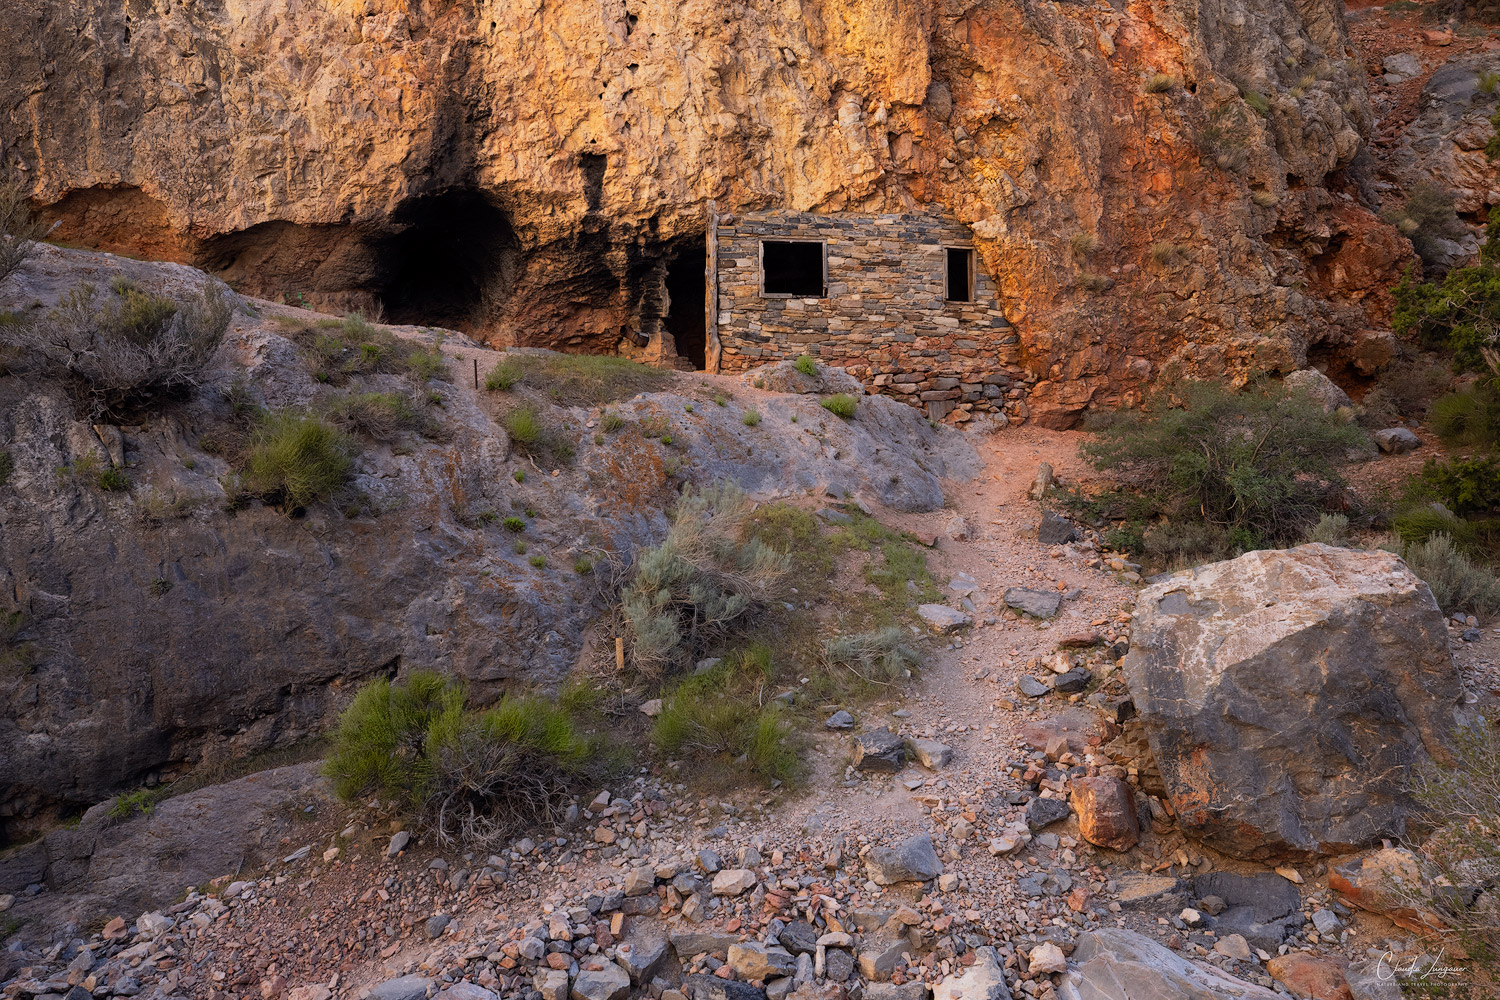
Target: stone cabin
901 301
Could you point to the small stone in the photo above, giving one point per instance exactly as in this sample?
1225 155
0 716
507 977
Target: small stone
948 882
436 924
734 882
879 750
401 988
651 708
1233 946
1106 812
398 843
914 860
930 753
1290 874
639 881
799 937
984 980
839 720
608 983
1054 529
1047 959
1042 812
1031 687
1037 603
752 960
941 618
1327 922
552 984
1073 681
1190 916
838 965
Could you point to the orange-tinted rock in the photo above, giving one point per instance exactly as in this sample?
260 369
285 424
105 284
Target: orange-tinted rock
1106 812
1383 882
1317 977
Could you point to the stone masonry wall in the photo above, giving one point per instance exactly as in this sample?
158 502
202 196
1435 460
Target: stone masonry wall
885 318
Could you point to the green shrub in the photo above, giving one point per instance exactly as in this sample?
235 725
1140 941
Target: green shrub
1462 312
707 576
379 415
525 427
1458 584
7 466
112 480
504 376
473 776
1428 220
806 365
583 565
539 561
1488 82
140 802
1469 417
514 523
841 405
1178 544
296 460
121 358
1259 464
1257 102
1463 485
338 350
1224 137
611 422
1404 389
751 418
519 475
720 399
883 655
701 726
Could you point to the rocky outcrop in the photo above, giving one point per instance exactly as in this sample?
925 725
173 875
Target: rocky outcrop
542 175
168 631
1115 964
1288 694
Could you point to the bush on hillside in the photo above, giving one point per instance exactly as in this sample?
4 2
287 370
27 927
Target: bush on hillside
379 415
296 460
705 578
20 230
882 655
1469 417
120 357
338 350
706 722
1458 584
1428 220
1463 485
841 405
1460 313
473 776
1251 468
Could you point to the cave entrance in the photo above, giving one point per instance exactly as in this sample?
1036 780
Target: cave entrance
451 261
686 319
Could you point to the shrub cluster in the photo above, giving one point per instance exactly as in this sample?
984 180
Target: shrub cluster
710 717
296 460
20 231
708 576
841 405
1462 312
473 776
575 379
120 357
338 350
1227 471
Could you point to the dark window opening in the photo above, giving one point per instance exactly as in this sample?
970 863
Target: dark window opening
792 268
686 319
960 275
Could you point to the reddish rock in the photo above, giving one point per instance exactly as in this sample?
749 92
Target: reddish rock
1106 812
1315 976
1373 881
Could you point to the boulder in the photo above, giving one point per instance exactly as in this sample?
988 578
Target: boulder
701 987
1262 908
1046 959
1112 963
913 860
608 983
552 984
984 980
1072 681
1288 694
753 960
1319 387
462 991
929 753
642 952
896 991
840 720
783 376
734 882
799 937
1054 529
1037 603
1318 977
1383 881
879 750
1106 812
1396 440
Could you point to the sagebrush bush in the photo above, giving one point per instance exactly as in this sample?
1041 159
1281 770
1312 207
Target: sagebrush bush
504 376
1406 388
120 357
882 655
751 418
296 460
806 365
841 405
1470 417
20 230
473 776
1259 465
1331 529
1458 584
707 576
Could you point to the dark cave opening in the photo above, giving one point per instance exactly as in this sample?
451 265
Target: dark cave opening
453 258
686 319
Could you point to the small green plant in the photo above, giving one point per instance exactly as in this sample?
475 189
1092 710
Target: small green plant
841 405
1460 313
1083 243
514 524
583 565
519 475
339 350
504 376
1166 252
806 365
538 560
794 418
1224 137
706 721
1257 102
7 466
20 232
1090 282
520 547
751 418
295 460
1161 83
160 587
531 513
379 415
666 439
112 480
720 399
1488 82
141 802
883 655
1463 485
1331 529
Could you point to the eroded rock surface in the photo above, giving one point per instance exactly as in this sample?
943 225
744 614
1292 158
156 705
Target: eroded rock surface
1287 695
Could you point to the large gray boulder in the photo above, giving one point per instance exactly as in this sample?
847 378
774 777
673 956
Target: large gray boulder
1115 964
1288 694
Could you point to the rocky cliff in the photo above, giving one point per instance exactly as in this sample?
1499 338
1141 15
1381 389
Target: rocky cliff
159 627
1153 185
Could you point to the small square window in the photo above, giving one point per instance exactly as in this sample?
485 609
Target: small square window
959 275
792 267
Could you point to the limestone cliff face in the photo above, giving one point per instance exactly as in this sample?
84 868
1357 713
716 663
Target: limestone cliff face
533 171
